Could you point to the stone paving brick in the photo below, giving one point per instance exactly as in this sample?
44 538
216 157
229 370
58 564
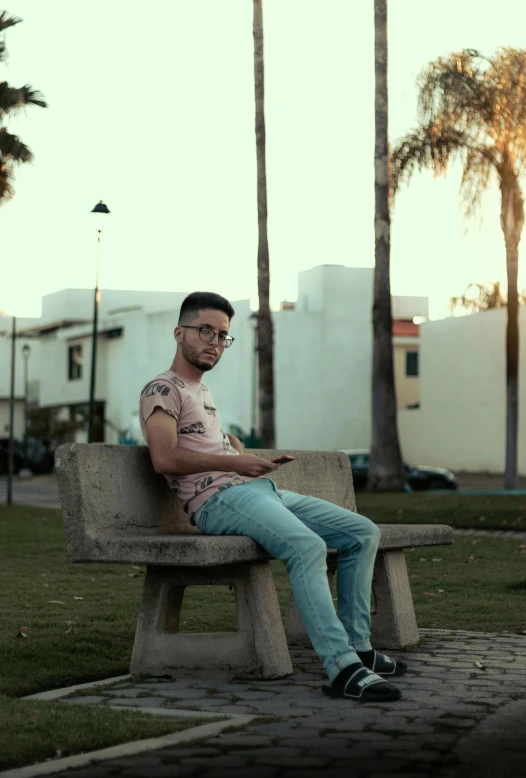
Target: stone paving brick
247 696
183 694
166 771
171 754
123 692
307 761
140 702
255 772
223 762
204 703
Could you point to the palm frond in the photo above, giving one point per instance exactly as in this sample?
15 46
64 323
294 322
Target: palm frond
6 21
12 149
427 147
6 190
12 99
455 92
476 176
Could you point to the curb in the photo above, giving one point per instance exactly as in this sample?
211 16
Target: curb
201 732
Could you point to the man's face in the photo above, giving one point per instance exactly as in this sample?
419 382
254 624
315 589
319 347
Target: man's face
203 355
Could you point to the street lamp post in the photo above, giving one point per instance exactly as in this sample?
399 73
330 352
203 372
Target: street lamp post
99 208
11 454
26 351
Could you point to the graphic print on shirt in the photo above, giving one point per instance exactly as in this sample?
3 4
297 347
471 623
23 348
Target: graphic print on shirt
202 484
174 485
227 445
210 409
235 480
177 381
155 388
192 428
171 412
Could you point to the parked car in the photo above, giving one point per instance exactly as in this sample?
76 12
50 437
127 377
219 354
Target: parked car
418 477
40 458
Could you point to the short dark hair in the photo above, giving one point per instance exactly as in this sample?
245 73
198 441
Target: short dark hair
199 301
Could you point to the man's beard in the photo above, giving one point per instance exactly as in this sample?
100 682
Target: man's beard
192 356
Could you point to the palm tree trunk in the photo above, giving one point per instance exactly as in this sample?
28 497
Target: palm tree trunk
265 325
386 470
512 221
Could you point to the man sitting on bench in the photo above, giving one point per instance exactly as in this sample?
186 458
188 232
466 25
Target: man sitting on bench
207 468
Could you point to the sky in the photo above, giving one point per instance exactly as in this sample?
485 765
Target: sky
151 109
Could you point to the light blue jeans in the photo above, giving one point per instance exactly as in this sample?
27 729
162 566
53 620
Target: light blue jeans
298 530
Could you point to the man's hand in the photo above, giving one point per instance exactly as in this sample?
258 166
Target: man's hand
252 465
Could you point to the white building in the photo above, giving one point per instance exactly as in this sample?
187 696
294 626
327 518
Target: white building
461 422
323 351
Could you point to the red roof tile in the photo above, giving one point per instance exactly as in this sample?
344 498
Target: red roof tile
402 327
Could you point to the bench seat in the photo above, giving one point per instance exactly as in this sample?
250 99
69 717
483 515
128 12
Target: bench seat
161 548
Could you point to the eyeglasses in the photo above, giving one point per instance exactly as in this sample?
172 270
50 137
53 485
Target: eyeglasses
208 335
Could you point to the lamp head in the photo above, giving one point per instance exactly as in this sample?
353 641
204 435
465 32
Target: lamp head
26 350
101 208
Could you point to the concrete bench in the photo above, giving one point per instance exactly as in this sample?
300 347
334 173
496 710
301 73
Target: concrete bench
117 509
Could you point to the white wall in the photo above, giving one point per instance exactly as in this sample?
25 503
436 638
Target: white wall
5 359
461 421
18 421
323 352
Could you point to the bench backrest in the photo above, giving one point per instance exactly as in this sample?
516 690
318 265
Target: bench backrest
113 489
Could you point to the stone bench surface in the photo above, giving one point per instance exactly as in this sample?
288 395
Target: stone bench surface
117 509
205 550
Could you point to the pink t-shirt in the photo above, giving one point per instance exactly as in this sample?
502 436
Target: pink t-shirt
198 429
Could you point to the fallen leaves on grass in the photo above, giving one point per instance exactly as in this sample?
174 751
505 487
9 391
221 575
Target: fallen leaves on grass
471 558
441 591
436 560
78 598
23 632
132 575
430 594
482 518
56 602
480 665
520 631
67 632
522 549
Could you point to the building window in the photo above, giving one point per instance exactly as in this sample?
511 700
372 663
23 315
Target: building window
116 333
411 363
74 362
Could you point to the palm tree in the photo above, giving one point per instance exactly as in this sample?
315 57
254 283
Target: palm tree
386 470
473 109
12 100
265 330
483 297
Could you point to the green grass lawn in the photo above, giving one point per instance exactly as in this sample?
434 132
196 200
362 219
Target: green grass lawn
46 730
83 617
476 511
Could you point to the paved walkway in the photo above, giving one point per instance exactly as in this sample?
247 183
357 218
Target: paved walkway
456 719
40 491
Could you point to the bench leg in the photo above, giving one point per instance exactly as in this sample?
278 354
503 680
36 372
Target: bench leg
258 649
393 621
